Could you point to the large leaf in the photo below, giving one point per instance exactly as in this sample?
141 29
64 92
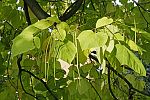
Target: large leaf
103 22
101 38
25 41
22 43
126 57
88 39
67 51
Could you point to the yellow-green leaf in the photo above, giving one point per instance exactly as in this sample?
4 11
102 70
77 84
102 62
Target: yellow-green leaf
88 39
22 43
103 22
37 42
126 57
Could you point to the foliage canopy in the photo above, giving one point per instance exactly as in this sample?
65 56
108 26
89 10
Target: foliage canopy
74 50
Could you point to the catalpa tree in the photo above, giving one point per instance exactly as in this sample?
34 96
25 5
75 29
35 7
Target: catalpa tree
74 49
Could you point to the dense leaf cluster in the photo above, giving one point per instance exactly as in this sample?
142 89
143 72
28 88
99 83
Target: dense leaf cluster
74 50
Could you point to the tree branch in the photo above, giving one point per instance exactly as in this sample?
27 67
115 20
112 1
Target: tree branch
127 82
71 10
23 70
41 14
27 13
20 78
20 74
36 9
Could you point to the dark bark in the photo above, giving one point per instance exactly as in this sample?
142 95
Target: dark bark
41 14
27 14
36 9
72 9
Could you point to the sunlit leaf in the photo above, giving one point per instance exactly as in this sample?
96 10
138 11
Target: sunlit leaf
67 52
101 38
110 46
30 30
22 43
88 39
112 28
59 34
119 37
63 25
126 57
103 22
132 45
42 24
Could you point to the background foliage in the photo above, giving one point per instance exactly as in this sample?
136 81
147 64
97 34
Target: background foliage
74 50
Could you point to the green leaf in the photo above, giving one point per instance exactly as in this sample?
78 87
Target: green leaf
30 30
86 68
146 53
42 24
112 59
88 39
126 57
39 88
28 62
137 83
103 22
146 35
118 37
8 92
63 25
59 34
67 52
22 43
132 45
83 86
101 38
53 20
110 46
110 8
25 41
45 23
72 88
37 42
112 28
